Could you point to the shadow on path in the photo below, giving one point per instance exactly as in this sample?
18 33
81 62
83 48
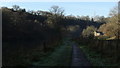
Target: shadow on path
78 58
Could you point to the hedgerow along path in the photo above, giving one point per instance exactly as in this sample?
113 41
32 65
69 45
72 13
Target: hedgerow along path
67 54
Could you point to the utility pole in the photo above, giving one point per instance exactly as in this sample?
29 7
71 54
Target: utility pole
94 15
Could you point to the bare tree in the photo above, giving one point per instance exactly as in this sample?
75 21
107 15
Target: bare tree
15 7
57 15
57 10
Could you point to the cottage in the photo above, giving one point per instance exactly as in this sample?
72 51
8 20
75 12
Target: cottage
98 33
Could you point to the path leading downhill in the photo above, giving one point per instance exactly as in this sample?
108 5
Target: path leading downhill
78 57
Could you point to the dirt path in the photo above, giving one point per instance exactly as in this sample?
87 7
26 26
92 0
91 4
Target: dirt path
79 58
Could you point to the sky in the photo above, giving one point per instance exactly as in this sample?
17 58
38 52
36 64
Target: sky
71 8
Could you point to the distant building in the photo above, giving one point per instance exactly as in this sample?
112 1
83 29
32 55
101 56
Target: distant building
98 33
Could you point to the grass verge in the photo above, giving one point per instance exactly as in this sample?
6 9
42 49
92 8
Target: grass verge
96 59
61 56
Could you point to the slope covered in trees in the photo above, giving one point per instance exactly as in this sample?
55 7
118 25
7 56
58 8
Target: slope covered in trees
21 25
112 27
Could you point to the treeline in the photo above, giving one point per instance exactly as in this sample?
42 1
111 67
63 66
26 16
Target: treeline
19 24
108 44
110 28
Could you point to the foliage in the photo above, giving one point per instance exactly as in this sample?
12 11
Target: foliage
89 32
111 28
101 52
31 25
46 27
85 18
100 19
61 56
96 59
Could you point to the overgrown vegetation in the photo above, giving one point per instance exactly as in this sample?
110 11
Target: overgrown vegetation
101 52
60 57
34 37
103 49
56 55
96 58
26 31
89 32
19 24
112 27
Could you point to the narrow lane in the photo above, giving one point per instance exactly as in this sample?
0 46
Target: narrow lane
78 58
